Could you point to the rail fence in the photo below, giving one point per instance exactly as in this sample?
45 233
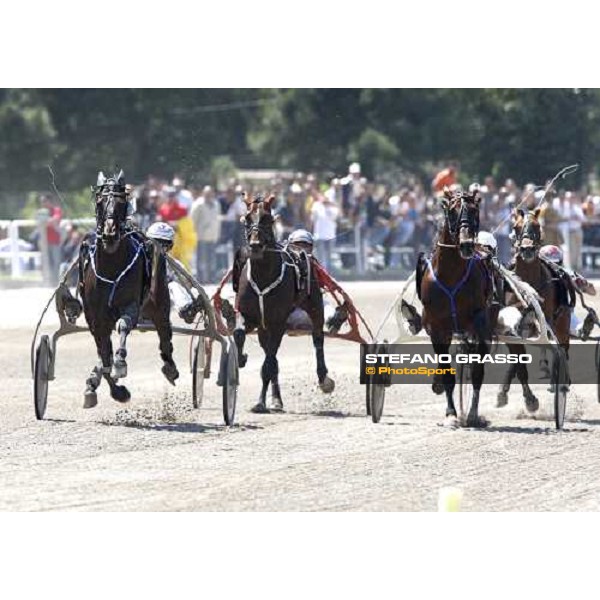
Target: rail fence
351 256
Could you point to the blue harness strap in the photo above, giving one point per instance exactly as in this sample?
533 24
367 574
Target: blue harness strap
451 292
139 248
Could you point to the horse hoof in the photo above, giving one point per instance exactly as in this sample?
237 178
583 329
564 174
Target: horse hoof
327 385
501 399
119 369
276 405
121 394
437 387
170 372
531 403
477 421
451 422
90 399
242 360
260 408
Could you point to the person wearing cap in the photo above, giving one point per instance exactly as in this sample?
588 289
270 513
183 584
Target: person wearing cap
184 300
553 255
300 241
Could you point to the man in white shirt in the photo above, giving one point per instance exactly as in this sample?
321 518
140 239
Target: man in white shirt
324 214
206 216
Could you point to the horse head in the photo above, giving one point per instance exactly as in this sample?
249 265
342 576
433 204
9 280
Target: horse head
461 218
527 233
111 209
259 223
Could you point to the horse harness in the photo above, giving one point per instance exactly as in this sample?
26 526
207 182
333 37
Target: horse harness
287 260
140 250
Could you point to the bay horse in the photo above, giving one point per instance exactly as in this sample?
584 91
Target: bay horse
122 275
555 305
455 291
269 288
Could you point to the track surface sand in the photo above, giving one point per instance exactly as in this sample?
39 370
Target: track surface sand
323 453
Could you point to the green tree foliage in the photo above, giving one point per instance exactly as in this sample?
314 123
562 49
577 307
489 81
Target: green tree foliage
201 134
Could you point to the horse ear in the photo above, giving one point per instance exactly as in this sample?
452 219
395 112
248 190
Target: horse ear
447 193
121 177
101 179
536 212
444 204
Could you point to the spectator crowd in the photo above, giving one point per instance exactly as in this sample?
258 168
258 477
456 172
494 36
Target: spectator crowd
390 224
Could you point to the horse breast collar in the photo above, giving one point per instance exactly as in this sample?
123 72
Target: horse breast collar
139 249
262 293
451 292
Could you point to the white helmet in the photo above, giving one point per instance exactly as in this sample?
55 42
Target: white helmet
485 238
552 254
161 232
301 236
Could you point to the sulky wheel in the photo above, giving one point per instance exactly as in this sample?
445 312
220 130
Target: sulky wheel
465 390
377 400
368 396
40 376
198 364
560 384
230 385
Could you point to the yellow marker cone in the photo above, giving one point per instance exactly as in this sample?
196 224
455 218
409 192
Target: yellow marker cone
449 499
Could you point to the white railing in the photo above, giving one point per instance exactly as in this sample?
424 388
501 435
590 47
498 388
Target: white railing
15 256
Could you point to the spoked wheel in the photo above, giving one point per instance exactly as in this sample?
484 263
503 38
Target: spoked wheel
598 370
560 383
368 396
198 364
40 377
230 385
465 390
377 394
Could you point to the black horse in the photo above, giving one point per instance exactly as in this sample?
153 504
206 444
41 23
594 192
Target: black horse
122 275
269 288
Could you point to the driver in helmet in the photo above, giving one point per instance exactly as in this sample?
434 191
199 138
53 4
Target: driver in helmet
302 240
182 298
553 255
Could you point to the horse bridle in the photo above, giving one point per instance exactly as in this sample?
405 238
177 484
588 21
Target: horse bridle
108 195
528 232
268 235
457 220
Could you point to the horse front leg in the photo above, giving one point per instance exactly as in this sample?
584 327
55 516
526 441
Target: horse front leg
477 374
502 397
125 325
239 337
269 372
165 336
449 381
314 309
104 348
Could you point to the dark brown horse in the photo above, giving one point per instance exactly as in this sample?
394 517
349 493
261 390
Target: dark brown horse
119 273
534 271
269 289
455 290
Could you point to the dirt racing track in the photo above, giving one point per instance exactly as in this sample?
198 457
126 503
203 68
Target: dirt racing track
323 453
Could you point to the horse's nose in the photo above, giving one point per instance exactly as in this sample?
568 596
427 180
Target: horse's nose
254 240
110 228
